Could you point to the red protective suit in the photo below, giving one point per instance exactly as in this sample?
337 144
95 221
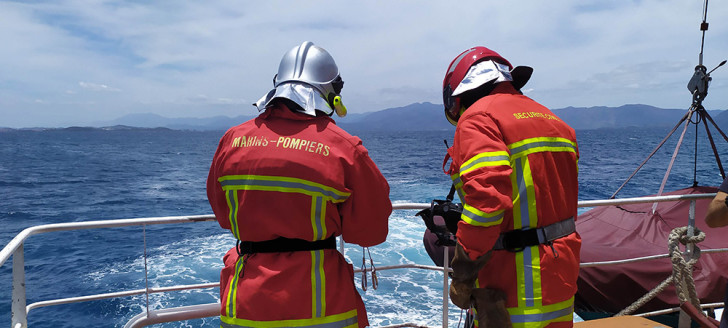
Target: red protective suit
514 164
287 174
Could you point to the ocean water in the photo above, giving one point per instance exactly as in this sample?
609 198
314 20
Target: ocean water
81 174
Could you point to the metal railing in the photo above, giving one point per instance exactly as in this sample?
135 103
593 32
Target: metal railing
20 310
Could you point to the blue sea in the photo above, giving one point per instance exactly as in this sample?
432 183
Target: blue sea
72 175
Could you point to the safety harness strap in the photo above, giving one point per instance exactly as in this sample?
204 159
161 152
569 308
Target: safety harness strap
282 244
517 240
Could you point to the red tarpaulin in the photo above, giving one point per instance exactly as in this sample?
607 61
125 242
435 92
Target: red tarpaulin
619 232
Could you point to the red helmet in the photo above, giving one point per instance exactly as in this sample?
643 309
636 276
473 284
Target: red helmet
460 66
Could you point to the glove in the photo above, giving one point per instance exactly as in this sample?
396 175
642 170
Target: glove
465 271
460 294
490 305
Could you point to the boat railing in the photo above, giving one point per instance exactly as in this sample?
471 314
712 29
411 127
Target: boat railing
19 309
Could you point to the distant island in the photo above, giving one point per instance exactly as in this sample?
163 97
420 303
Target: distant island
421 117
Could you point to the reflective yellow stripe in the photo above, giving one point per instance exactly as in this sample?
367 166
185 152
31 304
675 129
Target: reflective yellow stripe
232 201
533 317
458 186
282 184
318 284
495 158
342 320
318 214
528 262
541 144
231 308
320 196
476 217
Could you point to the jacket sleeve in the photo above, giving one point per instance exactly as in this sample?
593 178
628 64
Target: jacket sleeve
215 194
365 214
485 183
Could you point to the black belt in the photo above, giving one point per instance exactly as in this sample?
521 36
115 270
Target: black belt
282 244
517 240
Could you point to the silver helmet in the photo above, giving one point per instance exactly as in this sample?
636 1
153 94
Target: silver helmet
312 65
307 75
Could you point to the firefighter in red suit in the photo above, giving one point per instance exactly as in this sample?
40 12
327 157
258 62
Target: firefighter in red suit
286 184
514 165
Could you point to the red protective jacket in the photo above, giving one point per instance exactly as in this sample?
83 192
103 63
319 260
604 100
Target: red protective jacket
514 164
287 174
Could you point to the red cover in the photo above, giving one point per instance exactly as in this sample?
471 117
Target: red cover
627 231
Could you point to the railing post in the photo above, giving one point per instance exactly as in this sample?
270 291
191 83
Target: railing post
19 315
684 320
445 285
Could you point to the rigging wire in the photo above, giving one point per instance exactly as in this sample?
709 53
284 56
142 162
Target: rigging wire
703 27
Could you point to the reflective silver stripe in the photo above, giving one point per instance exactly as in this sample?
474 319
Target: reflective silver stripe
282 184
528 275
318 284
270 324
318 219
482 219
523 202
536 144
485 159
457 61
541 317
233 207
522 193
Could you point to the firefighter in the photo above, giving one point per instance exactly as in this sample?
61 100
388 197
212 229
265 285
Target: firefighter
286 184
514 165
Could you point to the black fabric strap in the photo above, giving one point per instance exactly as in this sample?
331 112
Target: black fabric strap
281 244
517 240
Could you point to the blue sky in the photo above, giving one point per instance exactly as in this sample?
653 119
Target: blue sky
80 62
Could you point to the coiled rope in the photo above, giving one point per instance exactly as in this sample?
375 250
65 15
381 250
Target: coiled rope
682 270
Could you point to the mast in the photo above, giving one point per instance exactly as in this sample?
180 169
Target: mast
698 87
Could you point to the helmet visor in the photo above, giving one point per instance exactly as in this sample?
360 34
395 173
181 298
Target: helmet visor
451 105
337 84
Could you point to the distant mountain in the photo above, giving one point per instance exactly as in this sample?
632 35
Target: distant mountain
189 123
428 116
413 117
635 115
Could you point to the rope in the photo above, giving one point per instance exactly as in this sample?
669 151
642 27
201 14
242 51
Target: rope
681 271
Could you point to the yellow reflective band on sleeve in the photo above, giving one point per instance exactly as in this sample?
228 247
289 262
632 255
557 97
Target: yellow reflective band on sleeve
536 317
541 144
476 217
282 184
458 184
495 158
342 320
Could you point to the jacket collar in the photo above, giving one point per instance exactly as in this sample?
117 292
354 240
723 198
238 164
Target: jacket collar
280 110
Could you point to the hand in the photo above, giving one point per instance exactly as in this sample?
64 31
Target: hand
460 294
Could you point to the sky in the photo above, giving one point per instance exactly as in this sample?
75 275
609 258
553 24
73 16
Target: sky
72 62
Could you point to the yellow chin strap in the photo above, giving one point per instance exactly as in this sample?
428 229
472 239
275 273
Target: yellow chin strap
339 107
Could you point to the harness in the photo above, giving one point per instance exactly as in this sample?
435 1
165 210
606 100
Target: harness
517 240
281 244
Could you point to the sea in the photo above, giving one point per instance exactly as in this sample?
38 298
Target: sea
83 174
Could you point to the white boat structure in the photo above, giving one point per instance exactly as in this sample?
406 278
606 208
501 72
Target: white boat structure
21 310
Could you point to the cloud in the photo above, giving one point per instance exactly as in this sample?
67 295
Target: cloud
153 56
97 87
